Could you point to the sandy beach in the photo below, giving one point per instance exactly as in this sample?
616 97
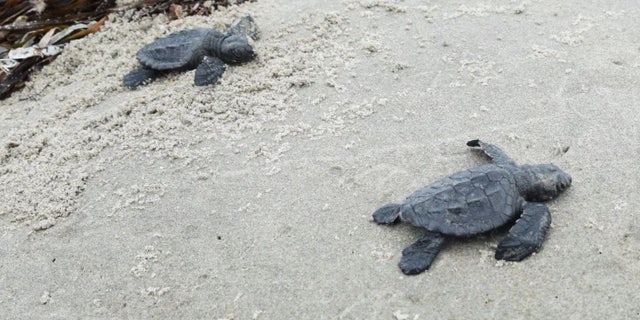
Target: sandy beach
252 199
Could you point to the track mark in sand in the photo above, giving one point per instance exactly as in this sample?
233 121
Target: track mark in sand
471 69
137 196
144 262
582 26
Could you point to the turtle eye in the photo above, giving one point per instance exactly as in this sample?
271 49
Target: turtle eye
242 54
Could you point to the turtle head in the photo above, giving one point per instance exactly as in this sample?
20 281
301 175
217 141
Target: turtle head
543 182
236 49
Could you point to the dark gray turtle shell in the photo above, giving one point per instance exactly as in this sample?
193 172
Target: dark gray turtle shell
180 50
469 202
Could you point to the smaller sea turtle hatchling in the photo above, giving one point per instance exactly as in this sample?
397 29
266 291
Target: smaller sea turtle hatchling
204 49
477 200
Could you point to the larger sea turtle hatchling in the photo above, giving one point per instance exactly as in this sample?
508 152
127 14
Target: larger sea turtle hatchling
477 200
204 49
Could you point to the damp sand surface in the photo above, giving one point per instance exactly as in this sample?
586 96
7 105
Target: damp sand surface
252 199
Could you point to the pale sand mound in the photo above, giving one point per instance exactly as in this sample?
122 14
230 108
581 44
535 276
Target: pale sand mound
53 151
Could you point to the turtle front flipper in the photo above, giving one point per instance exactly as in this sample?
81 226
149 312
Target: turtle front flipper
247 27
496 154
418 257
138 77
527 235
209 71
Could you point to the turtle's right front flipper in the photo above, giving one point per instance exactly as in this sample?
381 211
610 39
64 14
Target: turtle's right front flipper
527 235
496 154
209 71
418 257
138 77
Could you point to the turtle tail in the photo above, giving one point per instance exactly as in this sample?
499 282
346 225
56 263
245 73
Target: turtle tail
388 214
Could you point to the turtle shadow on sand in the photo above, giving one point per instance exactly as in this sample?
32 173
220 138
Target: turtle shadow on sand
478 200
204 49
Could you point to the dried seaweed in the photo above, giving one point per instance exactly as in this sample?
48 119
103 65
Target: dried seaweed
33 32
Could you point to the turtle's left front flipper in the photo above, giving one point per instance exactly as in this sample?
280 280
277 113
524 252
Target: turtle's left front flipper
209 71
247 27
527 235
492 151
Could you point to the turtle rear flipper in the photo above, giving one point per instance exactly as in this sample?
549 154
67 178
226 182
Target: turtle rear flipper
418 257
527 235
138 77
209 71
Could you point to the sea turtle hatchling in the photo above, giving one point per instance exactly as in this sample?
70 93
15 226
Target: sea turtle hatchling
204 49
477 200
